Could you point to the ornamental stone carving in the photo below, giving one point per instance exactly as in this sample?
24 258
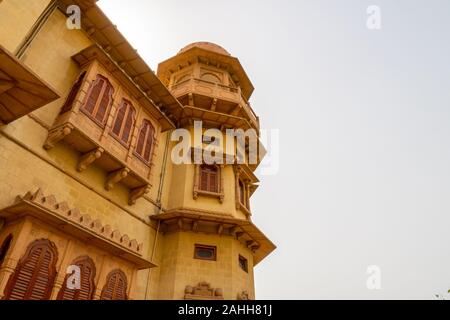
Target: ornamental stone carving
203 291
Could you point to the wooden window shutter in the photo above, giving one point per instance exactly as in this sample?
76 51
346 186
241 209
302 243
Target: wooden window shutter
73 94
86 292
115 287
213 181
128 124
141 140
93 95
35 273
204 178
119 119
105 102
99 99
209 178
124 122
149 143
145 141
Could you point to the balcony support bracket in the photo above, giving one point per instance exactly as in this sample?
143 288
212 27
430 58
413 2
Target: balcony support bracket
138 193
89 158
116 177
57 135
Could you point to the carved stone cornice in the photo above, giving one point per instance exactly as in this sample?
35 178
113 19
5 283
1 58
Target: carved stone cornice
82 226
201 221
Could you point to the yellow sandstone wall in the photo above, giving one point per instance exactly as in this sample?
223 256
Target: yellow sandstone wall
26 166
179 268
16 19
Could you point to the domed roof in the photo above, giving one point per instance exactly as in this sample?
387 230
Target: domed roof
206 46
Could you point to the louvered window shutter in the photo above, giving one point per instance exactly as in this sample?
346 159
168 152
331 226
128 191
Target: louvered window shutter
35 273
128 125
141 140
145 141
148 144
93 96
104 103
73 94
213 181
204 178
119 119
209 178
115 287
99 99
86 291
124 121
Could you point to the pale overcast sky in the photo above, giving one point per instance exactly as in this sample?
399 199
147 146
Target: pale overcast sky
364 120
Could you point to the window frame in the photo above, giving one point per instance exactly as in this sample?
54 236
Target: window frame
209 171
81 262
198 191
240 177
116 272
245 260
92 115
205 247
152 134
130 107
46 246
243 190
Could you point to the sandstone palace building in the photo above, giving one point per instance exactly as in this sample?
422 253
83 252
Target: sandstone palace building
86 174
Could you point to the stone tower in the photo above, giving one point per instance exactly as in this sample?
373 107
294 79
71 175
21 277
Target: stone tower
210 244
86 176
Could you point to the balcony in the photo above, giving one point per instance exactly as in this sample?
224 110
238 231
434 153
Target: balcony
96 142
235 104
21 91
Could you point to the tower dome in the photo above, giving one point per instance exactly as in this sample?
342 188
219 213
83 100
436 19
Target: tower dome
206 46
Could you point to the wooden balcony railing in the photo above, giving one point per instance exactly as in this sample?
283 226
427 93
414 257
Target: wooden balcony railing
217 91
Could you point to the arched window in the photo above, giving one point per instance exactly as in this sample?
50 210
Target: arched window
123 124
73 94
145 141
87 288
99 99
115 287
5 247
35 273
209 178
210 77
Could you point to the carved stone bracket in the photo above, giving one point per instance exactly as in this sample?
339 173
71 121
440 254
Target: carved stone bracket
57 135
115 177
137 193
203 292
214 104
243 295
89 158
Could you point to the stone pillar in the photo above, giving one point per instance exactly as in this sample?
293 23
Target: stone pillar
7 269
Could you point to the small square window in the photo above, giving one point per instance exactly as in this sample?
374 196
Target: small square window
205 252
243 263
